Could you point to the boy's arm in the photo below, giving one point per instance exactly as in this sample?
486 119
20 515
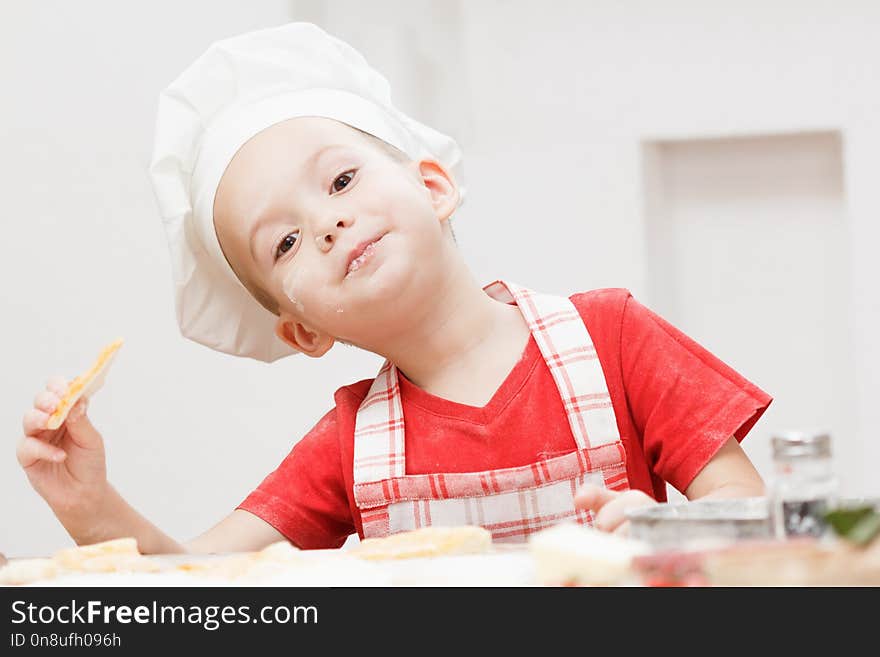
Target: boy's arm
729 473
111 518
240 531
67 467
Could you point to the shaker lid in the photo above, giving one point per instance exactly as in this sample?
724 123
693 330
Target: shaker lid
801 443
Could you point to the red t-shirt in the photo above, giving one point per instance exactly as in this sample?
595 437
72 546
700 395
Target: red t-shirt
676 404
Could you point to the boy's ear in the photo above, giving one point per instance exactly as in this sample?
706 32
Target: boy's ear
302 338
439 182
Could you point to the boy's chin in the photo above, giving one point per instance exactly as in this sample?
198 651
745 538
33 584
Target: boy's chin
381 284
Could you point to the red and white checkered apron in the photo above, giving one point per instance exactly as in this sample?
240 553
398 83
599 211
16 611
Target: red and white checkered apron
511 502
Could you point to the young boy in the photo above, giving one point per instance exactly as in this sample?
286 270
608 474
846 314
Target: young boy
303 209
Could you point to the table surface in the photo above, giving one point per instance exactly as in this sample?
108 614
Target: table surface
504 566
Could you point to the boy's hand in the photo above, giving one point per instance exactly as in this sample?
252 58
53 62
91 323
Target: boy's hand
66 466
609 506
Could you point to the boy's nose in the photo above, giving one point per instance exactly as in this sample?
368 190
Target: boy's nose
327 238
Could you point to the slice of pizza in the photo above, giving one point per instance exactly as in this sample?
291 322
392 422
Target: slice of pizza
85 385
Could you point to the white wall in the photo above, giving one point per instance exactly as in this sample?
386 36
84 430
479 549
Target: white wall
189 432
551 106
560 100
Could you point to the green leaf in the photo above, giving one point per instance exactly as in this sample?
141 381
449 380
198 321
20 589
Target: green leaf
865 530
858 525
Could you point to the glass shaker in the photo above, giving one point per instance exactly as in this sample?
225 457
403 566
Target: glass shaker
804 485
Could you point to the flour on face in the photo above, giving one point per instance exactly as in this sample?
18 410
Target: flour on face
293 283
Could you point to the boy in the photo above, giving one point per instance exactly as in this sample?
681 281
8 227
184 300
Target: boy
302 209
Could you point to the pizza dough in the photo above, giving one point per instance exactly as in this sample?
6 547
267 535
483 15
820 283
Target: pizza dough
280 551
577 555
802 561
120 555
426 542
25 571
85 385
114 556
236 566
282 564
72 558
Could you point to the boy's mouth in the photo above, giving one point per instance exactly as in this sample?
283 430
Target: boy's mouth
361 253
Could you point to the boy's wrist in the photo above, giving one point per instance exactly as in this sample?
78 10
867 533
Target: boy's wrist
94 517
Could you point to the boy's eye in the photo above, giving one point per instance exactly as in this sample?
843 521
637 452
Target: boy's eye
341 181
286 244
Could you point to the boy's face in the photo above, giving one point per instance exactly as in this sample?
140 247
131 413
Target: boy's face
347 241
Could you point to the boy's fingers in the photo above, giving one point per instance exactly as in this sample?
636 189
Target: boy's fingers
57 384
80 428
610 517
34 421
592 497
46 400
613 515
30 450
622 528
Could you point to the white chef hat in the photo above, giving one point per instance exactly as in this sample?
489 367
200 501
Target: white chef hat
237 88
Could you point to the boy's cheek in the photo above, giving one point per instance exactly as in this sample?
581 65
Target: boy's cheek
295 287
312 302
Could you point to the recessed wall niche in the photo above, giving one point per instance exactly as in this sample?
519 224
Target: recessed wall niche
748 253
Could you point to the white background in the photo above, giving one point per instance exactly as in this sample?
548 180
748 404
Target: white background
717 159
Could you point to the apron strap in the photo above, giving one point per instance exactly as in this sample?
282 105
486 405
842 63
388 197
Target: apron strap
565 343
378 433
568 350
